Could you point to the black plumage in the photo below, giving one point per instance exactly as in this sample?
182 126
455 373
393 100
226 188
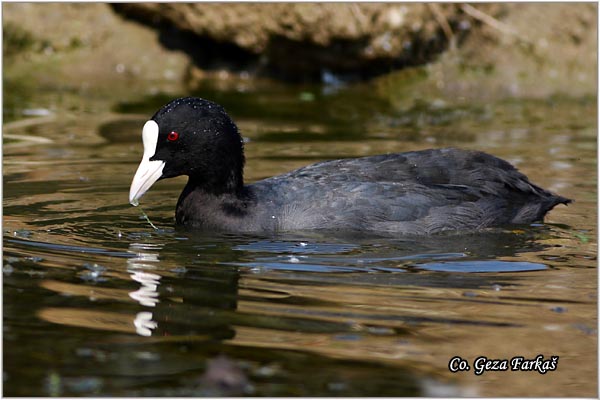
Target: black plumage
419 192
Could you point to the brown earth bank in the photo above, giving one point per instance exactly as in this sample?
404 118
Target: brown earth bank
301 41
534 49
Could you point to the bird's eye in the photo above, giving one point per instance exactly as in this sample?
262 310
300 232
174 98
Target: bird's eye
172 136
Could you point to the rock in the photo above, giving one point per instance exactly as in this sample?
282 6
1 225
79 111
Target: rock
223 377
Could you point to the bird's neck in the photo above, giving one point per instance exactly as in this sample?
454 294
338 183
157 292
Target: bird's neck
217 182
200 206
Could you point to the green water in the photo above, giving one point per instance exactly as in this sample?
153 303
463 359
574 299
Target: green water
98 303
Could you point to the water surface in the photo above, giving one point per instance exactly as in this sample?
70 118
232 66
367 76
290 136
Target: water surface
98 303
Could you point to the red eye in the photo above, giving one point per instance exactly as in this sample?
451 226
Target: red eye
173 136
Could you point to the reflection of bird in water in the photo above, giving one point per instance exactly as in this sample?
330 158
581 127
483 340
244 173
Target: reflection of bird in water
188 307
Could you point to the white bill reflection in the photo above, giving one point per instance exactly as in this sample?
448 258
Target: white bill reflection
146 258
144 324
147 294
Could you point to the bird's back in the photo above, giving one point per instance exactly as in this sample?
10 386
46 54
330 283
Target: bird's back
419 192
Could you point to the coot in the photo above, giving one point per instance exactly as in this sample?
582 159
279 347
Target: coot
417 192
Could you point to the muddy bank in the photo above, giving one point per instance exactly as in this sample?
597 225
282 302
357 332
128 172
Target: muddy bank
84 48
481 50
301 42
